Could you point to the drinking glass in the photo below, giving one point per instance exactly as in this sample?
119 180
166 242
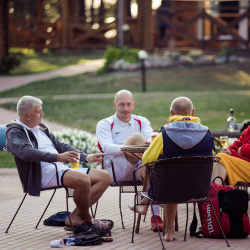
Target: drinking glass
224 141
75 165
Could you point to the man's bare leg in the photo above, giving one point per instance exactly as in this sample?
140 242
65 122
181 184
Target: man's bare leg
138 139
170 213
80 182
88 189
100 181
219 170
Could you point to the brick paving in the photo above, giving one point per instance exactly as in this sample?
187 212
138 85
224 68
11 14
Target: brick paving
22 234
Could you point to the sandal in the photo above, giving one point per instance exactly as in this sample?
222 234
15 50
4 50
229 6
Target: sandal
69 228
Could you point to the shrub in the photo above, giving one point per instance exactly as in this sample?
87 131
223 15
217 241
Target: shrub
174 56
115 53
195 54
79 139
9 62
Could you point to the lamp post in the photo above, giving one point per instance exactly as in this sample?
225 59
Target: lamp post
120 23
142 54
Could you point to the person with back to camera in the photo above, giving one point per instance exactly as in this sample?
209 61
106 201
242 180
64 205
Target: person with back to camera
183 135
33 144
125 128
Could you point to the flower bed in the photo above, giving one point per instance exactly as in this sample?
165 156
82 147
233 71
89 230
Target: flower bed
79 139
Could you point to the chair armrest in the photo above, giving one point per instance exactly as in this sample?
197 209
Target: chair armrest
57 177
149 164
111 162
113 170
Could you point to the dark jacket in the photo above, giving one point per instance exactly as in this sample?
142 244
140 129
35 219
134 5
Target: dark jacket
202 147
28 157
182 139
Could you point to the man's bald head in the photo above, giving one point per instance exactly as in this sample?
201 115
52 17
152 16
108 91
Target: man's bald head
124 93
182 106
124 105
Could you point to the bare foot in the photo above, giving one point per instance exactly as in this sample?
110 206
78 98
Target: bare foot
169 237
141 209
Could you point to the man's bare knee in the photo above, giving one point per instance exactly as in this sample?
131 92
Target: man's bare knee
106 178
219 170
136 139
101 176
76 180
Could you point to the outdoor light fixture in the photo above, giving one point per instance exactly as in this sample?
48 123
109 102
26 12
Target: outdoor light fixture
143 55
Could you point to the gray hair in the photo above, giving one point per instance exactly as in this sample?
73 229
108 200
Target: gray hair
182 106
26 103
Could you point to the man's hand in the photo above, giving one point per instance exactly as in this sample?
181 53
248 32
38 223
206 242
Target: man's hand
69 156
96 158
226 151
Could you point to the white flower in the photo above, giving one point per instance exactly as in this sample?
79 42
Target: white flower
79 139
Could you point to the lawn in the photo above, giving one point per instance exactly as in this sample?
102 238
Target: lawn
213 90
35 61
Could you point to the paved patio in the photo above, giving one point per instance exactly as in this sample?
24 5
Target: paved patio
22 234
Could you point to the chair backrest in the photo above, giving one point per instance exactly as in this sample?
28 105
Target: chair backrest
23 173
180 179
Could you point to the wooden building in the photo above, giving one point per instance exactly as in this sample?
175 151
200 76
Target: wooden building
3 28
91 24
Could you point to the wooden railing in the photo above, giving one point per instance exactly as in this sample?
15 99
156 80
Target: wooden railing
199 28
192 27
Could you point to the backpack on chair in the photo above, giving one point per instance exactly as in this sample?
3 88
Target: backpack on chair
230 206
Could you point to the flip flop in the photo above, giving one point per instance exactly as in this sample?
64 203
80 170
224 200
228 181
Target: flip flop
110 223
69 228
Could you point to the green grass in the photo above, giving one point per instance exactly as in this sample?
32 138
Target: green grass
35 62
209 78
213 90
7 160
211 107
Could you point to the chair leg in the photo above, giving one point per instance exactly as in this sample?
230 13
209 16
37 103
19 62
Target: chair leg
120 206
133 232
218 223
16 213
138 224
176 222
94 212
185 236
67 206
163 247
45 209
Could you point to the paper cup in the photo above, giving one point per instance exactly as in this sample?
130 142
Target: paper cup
56 243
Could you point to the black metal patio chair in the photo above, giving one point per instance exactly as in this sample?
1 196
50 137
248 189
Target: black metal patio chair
68 194
178 180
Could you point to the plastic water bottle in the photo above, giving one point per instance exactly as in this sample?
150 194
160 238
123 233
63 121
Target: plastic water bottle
231 121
